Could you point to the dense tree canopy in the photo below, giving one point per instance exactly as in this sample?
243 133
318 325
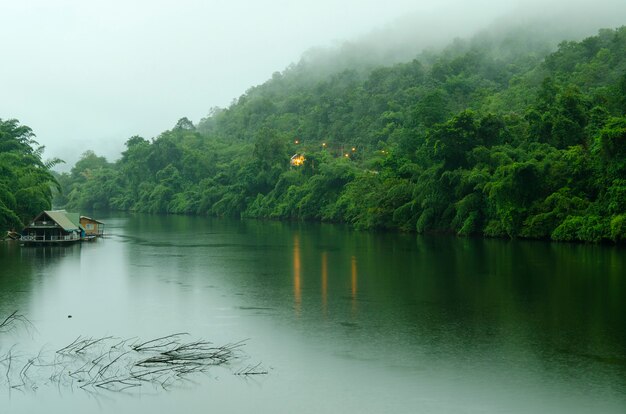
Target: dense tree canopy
471 140
25 180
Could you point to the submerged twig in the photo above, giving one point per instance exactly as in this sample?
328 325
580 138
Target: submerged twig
158 343
115 364
10 322
252 370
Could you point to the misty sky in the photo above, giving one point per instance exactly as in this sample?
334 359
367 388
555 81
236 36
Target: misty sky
90 74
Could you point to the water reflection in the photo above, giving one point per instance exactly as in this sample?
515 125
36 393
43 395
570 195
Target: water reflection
353 284
461 321
46 255
457 292
297 289
325 283
22 268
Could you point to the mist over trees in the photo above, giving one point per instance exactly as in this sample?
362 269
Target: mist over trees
531 27
493 136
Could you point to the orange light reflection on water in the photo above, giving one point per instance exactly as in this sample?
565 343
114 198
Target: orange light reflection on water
325 283
297 289
354 283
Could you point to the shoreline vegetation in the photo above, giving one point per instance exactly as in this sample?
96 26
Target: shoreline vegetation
491 137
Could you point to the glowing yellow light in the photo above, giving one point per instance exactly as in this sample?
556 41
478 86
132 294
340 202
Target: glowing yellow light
323 144
353 149
346 155
296 142
297 160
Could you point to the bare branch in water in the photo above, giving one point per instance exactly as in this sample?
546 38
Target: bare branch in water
158 343
7 321
114 364
252 370
13 320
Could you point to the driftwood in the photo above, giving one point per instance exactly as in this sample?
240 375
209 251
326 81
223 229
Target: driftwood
116 364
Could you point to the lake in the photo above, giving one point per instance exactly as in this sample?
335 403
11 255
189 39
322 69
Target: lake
342 321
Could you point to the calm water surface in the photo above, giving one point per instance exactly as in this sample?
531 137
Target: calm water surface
344 321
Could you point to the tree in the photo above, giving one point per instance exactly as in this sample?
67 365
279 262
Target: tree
184 124
453 139
25 180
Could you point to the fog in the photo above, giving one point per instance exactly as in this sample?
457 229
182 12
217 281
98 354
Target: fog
90 74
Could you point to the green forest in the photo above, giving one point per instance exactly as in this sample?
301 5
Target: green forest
26 181
493 136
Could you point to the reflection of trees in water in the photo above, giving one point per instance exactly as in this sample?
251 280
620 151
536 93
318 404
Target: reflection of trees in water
21 265
115 364
454 292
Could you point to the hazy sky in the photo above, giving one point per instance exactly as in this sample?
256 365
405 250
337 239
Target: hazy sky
88 74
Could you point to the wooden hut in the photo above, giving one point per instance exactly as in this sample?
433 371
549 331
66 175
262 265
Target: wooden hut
297 160
92 226
53 227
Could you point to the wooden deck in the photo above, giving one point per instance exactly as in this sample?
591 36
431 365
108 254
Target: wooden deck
41 240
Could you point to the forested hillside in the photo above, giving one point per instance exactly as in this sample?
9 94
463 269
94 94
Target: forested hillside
489 137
